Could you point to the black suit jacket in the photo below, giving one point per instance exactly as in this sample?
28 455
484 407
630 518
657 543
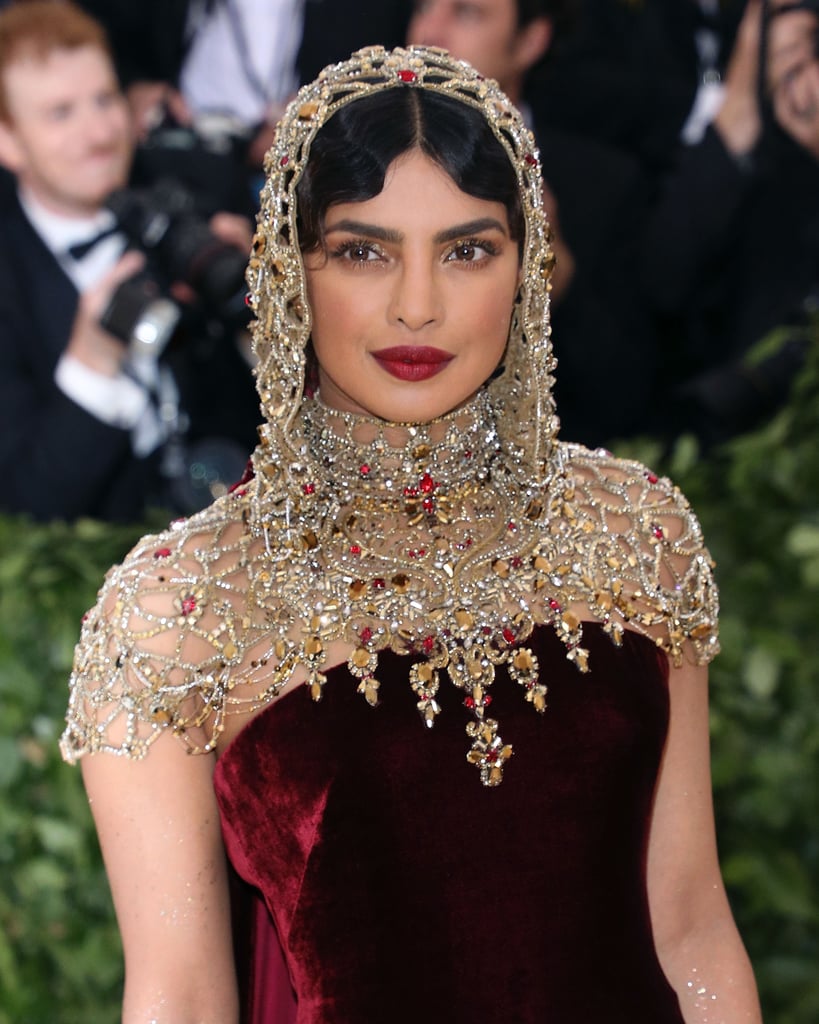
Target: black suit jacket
59 461
148 38
628 72
603 336
56 459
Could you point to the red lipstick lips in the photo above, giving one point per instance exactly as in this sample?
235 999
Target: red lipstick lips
412 362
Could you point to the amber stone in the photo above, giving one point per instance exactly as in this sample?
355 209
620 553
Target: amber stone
401 582
523 660
361 657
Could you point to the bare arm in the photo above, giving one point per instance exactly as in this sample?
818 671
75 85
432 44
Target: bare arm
697 940
158 824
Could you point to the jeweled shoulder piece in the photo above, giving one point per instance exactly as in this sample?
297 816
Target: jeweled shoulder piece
207 621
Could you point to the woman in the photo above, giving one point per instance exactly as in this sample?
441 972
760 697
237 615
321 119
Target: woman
413 538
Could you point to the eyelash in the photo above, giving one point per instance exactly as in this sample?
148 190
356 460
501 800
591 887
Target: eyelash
351 245
490 248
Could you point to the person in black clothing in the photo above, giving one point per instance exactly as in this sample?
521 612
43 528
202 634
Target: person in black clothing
87 427
596 198
639 76
732 248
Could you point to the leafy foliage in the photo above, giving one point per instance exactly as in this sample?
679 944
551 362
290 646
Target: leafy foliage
758 500
59 946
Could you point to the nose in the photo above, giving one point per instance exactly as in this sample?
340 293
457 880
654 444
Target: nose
416 300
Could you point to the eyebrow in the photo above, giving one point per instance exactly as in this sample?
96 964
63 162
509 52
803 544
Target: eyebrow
470 227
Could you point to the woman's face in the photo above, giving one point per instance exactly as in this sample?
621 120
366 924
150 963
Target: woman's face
412 297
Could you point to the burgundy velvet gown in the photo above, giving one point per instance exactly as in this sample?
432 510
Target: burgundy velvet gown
402 890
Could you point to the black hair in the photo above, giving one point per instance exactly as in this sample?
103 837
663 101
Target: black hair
351 153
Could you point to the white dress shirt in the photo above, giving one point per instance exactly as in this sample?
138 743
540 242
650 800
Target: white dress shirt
242 57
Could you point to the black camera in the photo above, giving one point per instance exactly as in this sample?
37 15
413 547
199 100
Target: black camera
164 223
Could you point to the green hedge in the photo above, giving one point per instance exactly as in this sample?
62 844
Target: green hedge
759 504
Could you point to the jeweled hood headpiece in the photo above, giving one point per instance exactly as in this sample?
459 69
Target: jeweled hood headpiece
521 393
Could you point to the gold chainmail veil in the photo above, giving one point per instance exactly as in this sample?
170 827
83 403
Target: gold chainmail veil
447 542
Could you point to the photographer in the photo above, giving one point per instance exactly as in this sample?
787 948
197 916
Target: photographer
229 66
93 423
732 248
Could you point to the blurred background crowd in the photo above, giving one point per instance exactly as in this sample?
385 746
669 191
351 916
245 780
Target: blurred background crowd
680 149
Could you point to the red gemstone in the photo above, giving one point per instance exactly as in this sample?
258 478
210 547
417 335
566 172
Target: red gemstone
554 604
658 532
531 159
428 485
468 542
285 160
309 488
379 583
188 605
411 492
491 756
652 478
469 702
240 493
406 75
516 562
366 635
162 552
355 549
428 643
248 299
428 504
512 527
509 635
364 469
487 700
468 454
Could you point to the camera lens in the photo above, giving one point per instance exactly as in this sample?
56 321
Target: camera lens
138 315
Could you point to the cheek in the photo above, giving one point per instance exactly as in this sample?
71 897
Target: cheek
493 309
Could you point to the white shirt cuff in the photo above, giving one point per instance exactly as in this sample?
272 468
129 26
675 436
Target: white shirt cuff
119 401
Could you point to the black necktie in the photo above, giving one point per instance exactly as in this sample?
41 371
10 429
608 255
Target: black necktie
80 250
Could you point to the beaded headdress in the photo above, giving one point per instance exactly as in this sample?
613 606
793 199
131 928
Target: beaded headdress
521 393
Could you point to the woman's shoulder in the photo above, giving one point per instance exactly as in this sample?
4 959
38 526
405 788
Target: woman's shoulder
157 647
639 547
623 483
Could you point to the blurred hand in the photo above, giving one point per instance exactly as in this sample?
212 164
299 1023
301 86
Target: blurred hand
233 229
739 121
793 75
150 101
89 342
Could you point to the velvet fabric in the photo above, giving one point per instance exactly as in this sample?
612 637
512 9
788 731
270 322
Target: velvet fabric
403 890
